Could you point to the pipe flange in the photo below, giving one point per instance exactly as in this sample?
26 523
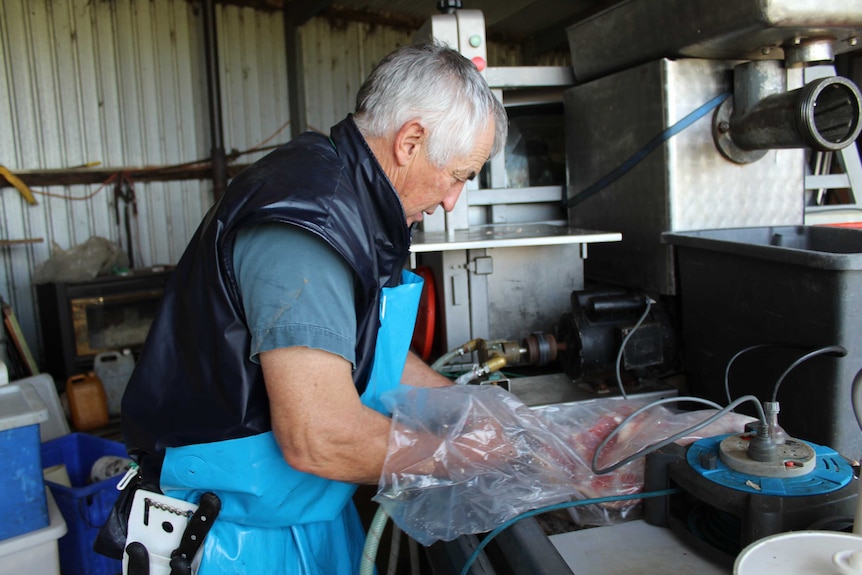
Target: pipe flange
809 52
541 348
723 141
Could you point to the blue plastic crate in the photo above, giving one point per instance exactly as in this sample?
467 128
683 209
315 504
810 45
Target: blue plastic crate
85 506
23 507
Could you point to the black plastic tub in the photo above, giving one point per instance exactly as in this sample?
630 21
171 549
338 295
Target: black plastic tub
797 287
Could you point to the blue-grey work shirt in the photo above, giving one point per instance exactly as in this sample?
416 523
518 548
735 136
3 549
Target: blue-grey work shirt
296 291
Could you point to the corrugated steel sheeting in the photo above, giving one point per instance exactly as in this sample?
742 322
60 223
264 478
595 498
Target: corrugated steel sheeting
122 82
337 56
109 82
253 79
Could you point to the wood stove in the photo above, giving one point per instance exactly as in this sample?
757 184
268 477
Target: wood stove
82 319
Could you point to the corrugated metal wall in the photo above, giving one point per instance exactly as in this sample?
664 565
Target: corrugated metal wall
117 83
337 56
122 83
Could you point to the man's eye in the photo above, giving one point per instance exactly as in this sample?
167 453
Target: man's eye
463 179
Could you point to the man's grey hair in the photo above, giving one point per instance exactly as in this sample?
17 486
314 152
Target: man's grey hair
439 87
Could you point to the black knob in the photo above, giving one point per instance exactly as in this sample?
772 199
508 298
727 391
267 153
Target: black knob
709 460
448 6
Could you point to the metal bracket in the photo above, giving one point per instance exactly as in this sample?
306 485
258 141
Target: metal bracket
482 265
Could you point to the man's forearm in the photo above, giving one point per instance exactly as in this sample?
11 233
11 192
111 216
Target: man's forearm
419 374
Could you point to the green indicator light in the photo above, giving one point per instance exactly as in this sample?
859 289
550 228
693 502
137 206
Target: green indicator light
475 40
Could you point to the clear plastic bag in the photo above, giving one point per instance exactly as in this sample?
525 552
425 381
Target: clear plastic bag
466 459
583 426
83 262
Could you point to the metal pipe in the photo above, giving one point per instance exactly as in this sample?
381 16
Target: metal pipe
76 176
823 115
609 308
219 160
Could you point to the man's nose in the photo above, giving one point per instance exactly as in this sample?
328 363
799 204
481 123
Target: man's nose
451 199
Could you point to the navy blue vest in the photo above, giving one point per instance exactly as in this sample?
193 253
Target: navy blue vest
193 382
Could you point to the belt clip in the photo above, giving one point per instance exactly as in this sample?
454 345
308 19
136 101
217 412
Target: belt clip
128 477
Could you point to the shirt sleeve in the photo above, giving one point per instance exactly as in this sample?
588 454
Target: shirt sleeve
296 291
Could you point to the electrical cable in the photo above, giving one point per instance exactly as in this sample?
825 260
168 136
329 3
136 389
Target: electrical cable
413 548
75 198
714 527
581 502
856 397
161 169
746 350
655 446
856 402
648 301
394 549
836 350
635 158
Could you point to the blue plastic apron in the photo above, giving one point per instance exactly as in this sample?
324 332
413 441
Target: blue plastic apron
275 519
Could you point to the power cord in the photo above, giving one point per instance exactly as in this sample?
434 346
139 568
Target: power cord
856 397
834 350
649 302
856 402
656 446
746 350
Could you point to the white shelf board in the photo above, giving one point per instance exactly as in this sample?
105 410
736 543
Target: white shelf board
507 235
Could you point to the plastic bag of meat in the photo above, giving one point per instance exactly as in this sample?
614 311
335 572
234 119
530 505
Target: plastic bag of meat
465 459
585 425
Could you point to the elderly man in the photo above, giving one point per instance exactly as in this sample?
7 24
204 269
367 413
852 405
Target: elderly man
291 312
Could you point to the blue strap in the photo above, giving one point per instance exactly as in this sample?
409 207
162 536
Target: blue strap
398 307
635 159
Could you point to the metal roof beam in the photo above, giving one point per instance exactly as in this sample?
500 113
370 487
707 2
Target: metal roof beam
302 11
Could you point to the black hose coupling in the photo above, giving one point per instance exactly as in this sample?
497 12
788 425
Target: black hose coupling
761 447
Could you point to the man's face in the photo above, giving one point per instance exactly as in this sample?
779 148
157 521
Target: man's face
426 186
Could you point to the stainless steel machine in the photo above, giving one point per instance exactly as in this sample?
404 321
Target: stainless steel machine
742 163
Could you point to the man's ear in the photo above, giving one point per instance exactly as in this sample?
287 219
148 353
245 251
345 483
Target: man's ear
409 141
